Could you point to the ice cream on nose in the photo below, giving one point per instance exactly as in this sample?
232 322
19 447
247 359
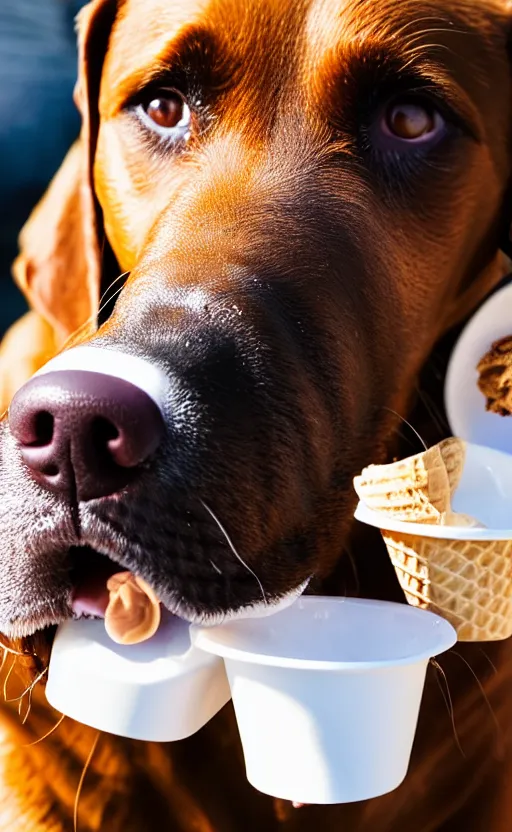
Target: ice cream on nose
133 612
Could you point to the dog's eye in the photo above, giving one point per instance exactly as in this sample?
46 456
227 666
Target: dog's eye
410 120
167 113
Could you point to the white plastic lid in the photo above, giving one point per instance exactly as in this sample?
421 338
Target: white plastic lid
324 633
162 690
465 404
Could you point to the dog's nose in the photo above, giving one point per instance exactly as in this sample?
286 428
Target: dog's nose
83 433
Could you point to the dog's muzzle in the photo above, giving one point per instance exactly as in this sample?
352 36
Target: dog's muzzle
91 433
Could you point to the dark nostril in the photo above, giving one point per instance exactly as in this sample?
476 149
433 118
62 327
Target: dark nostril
51 470
43 429
103 432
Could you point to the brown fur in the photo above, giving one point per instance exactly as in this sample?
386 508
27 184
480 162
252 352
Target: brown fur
436 265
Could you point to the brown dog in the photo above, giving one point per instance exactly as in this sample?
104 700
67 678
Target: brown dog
306 195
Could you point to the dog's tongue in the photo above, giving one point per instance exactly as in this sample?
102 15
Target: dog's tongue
127 603
91 596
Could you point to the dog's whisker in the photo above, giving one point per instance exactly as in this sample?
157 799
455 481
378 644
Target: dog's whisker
106 300
352 562
82 779
433 410
231 546
109 300
219 571
48 733
417 51
484 654
111 285
408 425
4 659
29 707
13 652
404 33
77 332
494 718
6 680
30 687
92 319
448 701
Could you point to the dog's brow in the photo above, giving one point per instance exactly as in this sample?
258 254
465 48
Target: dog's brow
422 40
196 52
133 51
380 59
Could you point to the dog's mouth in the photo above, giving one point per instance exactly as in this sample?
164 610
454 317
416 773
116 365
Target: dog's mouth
190 575
89 573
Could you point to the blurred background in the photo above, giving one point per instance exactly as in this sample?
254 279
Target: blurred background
38 120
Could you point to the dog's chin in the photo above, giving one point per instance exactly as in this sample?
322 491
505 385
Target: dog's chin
259 609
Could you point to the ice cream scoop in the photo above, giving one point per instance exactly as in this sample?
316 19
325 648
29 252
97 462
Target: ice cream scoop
483 344
495 377
133 612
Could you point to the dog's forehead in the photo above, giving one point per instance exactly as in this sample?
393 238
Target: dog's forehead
145 31
327 20
338 21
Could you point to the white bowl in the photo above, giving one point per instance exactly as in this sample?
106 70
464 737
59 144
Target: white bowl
465 404
327 694
164 689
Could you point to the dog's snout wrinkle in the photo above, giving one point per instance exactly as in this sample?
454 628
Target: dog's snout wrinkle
84 434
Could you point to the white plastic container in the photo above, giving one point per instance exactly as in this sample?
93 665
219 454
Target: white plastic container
164 689
327 694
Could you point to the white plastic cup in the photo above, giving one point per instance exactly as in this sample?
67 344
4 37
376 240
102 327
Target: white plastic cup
327 694
162 690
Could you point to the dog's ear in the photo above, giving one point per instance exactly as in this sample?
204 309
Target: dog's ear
59 265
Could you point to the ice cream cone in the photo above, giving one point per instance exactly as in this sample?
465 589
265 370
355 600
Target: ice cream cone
468 582
417 489
451 548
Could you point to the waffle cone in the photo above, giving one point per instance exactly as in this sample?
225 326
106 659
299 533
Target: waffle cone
417 489
468 582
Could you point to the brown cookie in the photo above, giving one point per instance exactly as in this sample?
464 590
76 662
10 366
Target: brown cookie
495 377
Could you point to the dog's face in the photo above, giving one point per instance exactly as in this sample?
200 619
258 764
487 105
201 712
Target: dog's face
304 192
